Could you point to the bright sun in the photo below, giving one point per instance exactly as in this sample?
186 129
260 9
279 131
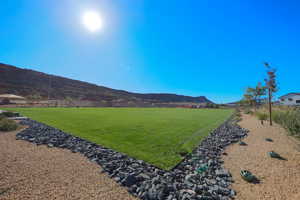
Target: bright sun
92 21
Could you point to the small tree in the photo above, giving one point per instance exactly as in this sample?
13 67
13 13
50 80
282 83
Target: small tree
271 86
259 91
248 96
253 95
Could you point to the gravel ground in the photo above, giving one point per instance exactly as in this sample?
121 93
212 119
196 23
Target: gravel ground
200 176
280 180
36 172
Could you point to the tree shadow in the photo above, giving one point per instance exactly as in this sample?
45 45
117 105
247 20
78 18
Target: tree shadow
282 158
255 180
269 140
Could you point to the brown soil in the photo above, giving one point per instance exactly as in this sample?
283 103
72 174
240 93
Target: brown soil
35 172
279 179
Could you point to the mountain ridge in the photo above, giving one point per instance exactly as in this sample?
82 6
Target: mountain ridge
28 82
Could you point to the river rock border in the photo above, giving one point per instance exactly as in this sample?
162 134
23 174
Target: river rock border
147 181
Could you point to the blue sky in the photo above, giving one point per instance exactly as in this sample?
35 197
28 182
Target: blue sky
191 47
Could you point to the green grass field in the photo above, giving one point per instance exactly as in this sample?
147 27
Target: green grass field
155 135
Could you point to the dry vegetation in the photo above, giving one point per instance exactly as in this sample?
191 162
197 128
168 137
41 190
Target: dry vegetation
287 117
7 124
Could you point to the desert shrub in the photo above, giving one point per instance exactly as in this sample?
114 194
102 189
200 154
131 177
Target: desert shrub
210 105
262 116
1 116
289 119
248 111
8 114
8 125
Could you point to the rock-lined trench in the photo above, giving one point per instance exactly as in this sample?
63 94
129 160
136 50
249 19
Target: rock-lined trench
146 181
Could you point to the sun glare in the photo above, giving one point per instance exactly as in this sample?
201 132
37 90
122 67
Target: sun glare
92 21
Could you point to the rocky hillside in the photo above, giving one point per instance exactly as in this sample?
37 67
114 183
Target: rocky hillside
27 83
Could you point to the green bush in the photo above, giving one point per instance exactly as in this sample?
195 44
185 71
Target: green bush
238 113
248 111
9 114
1 116
290 120
262 116
210 105
8 125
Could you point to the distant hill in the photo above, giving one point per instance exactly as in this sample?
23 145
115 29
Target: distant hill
25 82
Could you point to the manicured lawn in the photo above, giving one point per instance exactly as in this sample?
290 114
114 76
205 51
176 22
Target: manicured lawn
155 135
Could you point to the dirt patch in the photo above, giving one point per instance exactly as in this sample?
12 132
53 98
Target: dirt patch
35 172
279 179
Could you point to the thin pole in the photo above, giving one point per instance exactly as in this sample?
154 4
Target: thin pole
270 106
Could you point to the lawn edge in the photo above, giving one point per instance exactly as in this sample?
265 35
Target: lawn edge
139 176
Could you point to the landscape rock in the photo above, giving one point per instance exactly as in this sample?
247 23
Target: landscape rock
129 181
146 181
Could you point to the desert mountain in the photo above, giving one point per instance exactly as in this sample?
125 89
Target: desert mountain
25 82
